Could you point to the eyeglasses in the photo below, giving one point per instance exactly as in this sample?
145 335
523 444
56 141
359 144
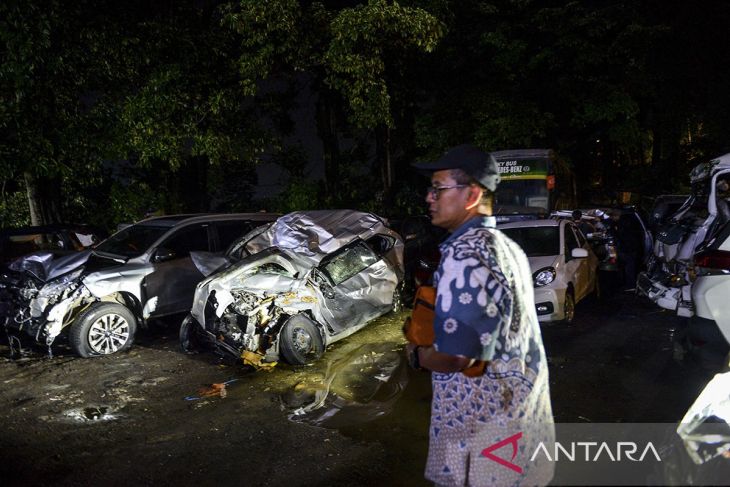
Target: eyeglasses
435 191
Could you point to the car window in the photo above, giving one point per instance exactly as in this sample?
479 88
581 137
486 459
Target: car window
238 249
349 262
536 241
380 244
188 239
570 240
229 231
132 241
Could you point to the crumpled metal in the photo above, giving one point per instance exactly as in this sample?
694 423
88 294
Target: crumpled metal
315 234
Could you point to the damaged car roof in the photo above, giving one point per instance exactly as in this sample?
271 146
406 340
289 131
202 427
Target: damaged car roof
314 234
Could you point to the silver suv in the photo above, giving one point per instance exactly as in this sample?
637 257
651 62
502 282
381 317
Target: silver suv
143 271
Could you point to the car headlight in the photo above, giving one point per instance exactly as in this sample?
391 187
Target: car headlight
544 276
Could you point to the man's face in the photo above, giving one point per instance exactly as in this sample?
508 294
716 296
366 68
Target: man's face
447 206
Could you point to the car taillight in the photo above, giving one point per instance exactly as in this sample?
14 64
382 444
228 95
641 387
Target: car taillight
713 259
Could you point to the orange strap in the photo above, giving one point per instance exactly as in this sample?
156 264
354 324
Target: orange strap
418 328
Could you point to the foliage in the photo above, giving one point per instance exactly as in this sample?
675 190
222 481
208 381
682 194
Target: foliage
550 75
116 108
14 210
299 194
354 55
185 101
51 127
129 203
364 39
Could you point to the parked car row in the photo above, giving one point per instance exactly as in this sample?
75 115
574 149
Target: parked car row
309 277
563 263
100 296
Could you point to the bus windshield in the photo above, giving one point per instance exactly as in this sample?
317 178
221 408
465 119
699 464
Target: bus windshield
522 192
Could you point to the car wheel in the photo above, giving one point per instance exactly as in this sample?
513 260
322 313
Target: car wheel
188 338
102 329
300 341
569 307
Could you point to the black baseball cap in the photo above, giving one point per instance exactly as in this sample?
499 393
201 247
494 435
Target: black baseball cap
480 165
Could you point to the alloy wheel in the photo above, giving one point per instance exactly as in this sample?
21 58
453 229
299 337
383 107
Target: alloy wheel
108 334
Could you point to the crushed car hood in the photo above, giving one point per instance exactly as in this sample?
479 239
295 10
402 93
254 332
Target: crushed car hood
45 266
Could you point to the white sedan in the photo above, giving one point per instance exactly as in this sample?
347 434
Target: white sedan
564 268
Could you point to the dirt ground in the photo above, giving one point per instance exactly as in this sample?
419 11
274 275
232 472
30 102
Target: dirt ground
139 418
122 420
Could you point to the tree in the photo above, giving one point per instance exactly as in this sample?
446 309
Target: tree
527 74
49 127
347 52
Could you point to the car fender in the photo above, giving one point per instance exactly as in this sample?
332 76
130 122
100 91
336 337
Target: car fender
128 280
716 297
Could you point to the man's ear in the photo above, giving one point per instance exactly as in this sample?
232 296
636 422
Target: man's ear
474 197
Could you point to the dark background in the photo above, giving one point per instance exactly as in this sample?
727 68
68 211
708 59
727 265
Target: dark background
112 110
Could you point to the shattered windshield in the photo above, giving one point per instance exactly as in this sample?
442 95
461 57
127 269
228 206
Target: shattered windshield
132 241
536 241
350 262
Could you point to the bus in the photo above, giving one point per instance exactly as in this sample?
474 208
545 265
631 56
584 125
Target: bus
527 186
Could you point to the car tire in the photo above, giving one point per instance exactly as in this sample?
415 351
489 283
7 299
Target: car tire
188 337
300 342
102 329
569 307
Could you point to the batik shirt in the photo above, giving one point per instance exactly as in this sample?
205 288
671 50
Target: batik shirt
485 310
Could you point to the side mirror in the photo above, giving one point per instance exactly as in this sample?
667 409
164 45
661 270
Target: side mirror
162 254
579 253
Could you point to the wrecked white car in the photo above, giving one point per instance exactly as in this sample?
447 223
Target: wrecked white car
306 281
143 271
667 281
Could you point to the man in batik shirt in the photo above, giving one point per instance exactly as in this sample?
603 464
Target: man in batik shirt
485 311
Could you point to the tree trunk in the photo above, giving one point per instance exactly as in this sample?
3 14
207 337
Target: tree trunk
43 198
327 129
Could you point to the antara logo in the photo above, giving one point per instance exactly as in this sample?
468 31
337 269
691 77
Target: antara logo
625 449
592 451
512 440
